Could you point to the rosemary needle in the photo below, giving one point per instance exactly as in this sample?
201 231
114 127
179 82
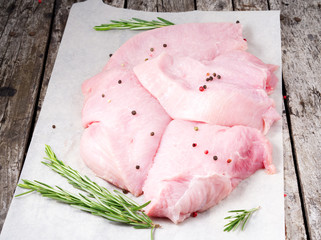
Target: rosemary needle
134 24
241 217
98 200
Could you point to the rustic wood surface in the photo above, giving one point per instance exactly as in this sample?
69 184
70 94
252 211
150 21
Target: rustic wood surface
24 31
301 46
30 34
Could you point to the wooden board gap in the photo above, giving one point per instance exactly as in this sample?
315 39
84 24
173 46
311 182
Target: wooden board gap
295 162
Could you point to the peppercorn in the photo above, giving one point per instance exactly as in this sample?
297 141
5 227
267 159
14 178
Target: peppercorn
137 166
204 86
103 95
152 49
164 45
152 133
215 158
201 88
229 160
218 76
119 81
134 112
237 21
194 144
206 151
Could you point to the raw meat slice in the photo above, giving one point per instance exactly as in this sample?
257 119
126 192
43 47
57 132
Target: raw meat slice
235 67
238 98
194 170
113 144
201 41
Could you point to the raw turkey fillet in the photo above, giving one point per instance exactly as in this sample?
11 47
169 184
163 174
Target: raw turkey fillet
200 41
125 115
114 143
238 97
184 179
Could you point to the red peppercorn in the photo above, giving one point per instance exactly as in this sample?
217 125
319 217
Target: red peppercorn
206 151
194 144
194 214
229 160
201 88
245 39
284 97
285 195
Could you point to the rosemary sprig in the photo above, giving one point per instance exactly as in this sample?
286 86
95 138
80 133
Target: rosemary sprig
241 217
99 201
134 24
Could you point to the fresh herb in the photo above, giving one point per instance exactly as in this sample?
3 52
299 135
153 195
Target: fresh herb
98 201
241 217
134 24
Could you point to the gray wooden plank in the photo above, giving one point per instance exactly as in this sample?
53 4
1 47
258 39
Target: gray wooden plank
23 41
214 5
161 5
294 221
301 44
62 8
294 224
250 5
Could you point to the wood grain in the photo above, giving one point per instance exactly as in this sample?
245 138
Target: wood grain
294 223
161 5
294 220
250 5
216 5
23 40
301 39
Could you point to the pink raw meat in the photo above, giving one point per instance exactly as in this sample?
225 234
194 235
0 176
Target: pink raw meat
200 41
114 142
187 178
237 98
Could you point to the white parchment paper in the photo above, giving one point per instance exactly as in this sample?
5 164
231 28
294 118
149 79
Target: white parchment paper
82 54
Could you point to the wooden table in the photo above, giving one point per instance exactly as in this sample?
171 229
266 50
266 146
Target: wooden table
30 34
